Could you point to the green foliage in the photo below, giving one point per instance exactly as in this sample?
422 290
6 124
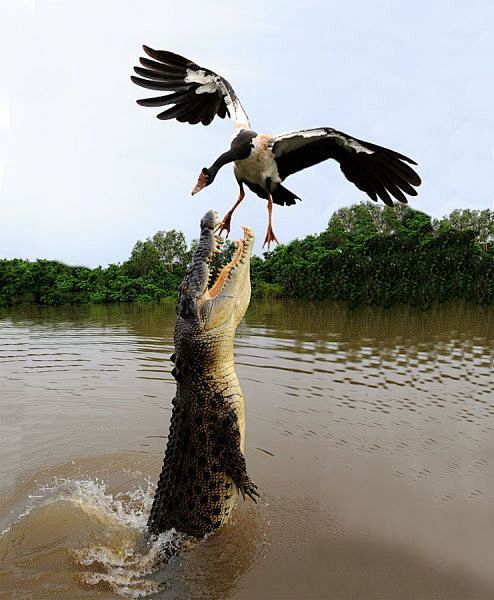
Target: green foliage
385 256
366 255
143 260
481 222
171 248
267 291
154 270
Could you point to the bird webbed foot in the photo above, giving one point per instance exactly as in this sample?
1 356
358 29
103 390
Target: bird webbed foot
270 237
225 224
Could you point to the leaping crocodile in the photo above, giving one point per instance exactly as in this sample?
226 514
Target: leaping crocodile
204 463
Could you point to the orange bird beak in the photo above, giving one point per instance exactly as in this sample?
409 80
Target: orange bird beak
202 182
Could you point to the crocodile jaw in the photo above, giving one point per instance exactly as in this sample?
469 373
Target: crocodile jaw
225 302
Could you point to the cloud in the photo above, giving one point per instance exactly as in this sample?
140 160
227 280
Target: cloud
4 114
30 5
86 172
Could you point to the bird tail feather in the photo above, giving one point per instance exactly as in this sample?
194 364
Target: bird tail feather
284 197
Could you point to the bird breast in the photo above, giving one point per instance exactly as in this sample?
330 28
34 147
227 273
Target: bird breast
260 165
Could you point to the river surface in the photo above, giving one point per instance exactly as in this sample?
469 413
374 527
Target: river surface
370 434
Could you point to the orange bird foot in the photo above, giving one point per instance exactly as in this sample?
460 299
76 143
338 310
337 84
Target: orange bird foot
270 237
224 225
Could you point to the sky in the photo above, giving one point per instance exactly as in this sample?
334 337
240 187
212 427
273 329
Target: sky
85 172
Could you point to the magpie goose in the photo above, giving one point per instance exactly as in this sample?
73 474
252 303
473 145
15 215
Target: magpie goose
262 162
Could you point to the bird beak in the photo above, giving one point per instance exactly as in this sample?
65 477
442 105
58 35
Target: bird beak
202 182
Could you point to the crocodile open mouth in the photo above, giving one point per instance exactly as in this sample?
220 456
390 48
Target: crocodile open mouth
227 272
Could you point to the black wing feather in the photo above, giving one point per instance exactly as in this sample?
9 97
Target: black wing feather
157 75
401 170
176 111
170 72
371 178
160 85
169 58
402 181
375 170
178 97
222 112
157 66
394 184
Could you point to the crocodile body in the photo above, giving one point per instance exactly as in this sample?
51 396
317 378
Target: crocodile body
204 465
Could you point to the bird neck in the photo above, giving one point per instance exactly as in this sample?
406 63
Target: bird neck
225 158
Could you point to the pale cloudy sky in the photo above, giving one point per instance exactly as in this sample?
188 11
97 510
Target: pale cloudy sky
85 172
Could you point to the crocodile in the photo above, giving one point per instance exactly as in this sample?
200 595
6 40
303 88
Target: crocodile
204 466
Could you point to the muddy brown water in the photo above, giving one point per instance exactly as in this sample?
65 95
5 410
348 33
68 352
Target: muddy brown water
370 434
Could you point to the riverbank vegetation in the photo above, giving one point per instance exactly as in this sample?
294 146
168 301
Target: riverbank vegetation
366 255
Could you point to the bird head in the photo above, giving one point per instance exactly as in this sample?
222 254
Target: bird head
203 180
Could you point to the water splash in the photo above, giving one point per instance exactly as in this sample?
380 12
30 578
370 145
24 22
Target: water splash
101 535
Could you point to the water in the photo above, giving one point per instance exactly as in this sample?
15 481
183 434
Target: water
369 433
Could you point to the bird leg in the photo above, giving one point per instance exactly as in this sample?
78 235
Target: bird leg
225 223
270 237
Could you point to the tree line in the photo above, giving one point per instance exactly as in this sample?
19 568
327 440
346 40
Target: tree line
385 256
367 254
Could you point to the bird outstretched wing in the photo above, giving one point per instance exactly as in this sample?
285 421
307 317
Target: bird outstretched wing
197 94
375 170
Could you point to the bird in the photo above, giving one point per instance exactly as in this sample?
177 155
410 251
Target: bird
195 94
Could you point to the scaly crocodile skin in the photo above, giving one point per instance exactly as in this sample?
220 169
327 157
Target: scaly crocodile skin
204 465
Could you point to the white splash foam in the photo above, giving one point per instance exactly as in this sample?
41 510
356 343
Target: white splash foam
125 569
122 557
92 494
